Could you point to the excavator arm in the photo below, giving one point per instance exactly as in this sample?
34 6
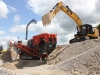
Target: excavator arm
46 19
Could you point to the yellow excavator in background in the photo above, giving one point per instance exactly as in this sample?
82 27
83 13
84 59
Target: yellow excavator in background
84 32
2 50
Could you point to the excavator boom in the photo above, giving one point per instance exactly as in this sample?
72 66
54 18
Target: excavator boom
46 19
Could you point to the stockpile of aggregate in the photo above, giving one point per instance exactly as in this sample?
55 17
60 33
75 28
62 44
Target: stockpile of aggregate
72 50
9 66
9 55
4 71
85 63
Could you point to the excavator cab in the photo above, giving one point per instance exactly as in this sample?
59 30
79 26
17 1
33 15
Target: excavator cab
85 29
89 29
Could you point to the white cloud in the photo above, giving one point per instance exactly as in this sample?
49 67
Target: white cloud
41 7
11 8
2 32
5 39
3 10
38 27
41 4
17 19
18 28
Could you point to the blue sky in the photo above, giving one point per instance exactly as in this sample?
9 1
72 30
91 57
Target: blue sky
16 14
25 16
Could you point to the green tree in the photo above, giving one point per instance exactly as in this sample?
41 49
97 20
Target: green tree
98 27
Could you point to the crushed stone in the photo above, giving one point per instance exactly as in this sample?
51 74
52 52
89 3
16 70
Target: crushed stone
9 66
87 63
73 50
4 71
9 55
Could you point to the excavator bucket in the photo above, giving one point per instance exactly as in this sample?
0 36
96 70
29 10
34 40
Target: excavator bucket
46 19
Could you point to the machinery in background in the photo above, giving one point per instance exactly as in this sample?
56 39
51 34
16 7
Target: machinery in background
2 50
32 21
84 32
39 47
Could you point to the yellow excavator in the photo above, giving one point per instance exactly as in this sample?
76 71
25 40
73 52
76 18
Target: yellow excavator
84 32
2 50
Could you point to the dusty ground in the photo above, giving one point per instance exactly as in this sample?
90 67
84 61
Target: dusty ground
81 58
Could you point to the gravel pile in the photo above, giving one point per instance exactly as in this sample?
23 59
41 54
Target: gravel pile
21 64
1 62
9 66
4 71
73 50
56 51
40 70
87 63
0 56
9 55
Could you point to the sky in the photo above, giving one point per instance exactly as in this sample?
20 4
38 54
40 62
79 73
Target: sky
16 14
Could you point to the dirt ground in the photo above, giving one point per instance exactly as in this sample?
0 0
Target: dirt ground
82 58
